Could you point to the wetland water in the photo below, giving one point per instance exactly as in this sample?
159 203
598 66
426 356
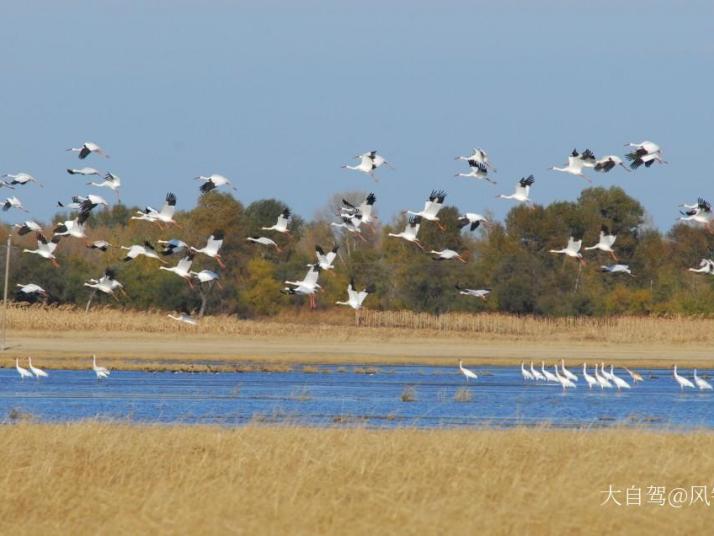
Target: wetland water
339 395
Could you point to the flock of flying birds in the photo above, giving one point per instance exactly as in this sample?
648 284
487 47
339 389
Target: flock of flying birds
601 377
352 219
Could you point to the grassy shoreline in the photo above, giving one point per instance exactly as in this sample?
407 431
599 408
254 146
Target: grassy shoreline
92 477
66 338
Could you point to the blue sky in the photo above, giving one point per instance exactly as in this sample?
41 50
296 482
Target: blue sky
277 95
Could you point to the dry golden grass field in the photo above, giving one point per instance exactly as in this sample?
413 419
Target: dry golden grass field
66 337
100 478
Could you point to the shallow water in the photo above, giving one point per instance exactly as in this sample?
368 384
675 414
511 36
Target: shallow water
340 396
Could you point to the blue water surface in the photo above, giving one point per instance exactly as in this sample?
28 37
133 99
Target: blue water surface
339 395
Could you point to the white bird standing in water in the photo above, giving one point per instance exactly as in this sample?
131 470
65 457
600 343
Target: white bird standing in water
634 375
88 148
701 382
619 382
101 372
526 374
468 374
567 373
566 383
39 373
602 380
589 379
681 380
23 372
536 374
549 376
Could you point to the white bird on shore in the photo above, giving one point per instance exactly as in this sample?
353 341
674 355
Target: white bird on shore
88 148
606 163
576 163
354 298
213 247
326 260
477 171
45 249
111 181
447 254
410 232
182 268
101 372
213 181
137 250
571 250
28 227
706 266
165 215
308 286
681 380
84 171
602 380
39 373
431 209
536 374
468 374
523 189
566 383
364 209
13 202
472 219
481 293
619 382
480 156
617 269
607 240
567 373
589 379
263 241
646 153
527 375
368 163
701 382
281 226
31 289
23 372
207 276
634 375
549 376
101 245
20 179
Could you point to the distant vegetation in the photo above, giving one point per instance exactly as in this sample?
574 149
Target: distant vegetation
511 258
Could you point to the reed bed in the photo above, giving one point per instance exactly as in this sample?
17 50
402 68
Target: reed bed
102 478
384 324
